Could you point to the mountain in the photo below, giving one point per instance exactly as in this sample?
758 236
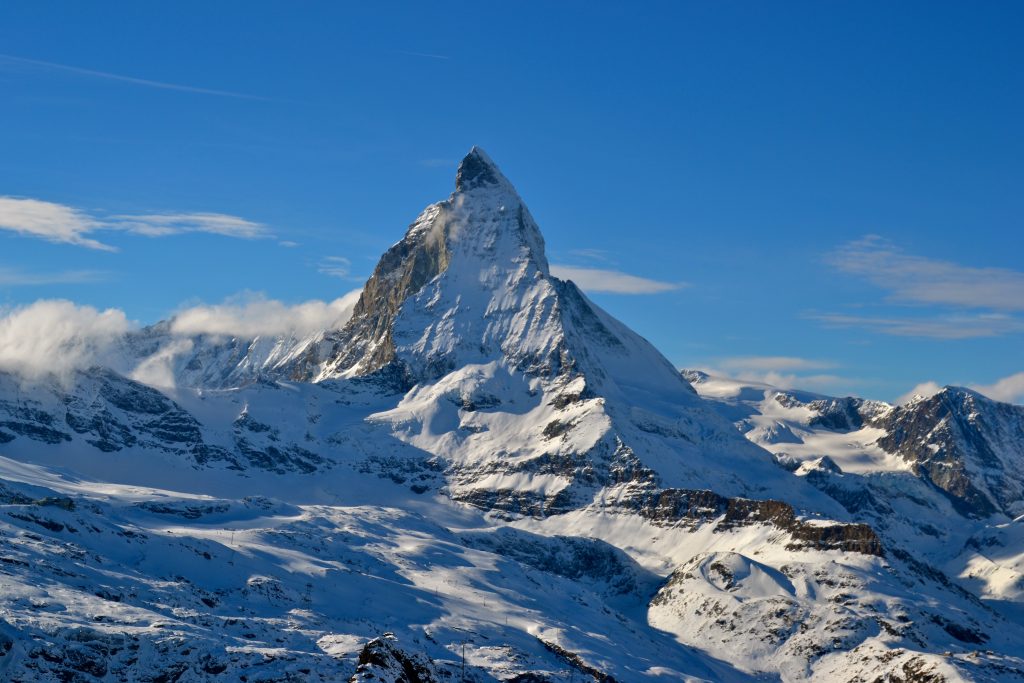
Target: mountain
479 473
941 473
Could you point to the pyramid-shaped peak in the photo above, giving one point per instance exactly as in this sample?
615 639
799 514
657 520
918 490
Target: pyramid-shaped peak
476 170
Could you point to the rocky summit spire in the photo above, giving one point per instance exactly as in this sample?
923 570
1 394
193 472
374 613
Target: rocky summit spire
478 251
478 170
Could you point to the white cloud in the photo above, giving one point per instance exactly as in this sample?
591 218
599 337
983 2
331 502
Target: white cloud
335 266
158 370
922 390
783 372
612 281
161 225
591 254
936 327
253 315
60 223
52 222
921 280
56 337
774 363
1008 389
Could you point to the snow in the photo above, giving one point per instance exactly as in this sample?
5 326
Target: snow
250 521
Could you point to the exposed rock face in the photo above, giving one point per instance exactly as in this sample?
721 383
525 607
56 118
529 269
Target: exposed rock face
700 507
970 447
383 661
841 414
959 442
491 301
366 344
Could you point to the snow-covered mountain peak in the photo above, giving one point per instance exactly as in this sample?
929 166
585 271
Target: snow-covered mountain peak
477 169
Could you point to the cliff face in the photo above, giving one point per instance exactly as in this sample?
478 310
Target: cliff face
970 447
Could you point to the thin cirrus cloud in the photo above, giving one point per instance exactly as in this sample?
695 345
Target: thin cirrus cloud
69 225
49 221
937 327
921 280
784 372
774 363
14 277
161 225
11 60
966 301
335 266
612 281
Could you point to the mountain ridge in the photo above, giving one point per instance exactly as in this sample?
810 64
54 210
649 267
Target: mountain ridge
479 460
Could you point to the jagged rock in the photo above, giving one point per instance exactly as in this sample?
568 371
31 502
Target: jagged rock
383 661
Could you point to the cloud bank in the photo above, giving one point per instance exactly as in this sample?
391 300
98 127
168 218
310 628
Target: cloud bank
252 315
56 337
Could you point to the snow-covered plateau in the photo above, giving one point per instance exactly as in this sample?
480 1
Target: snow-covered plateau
482 476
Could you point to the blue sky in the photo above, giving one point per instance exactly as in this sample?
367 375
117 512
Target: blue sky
829 194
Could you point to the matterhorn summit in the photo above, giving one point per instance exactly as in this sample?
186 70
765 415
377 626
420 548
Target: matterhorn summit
481 475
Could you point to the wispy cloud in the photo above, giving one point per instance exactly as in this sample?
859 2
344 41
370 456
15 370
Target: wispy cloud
52 222
69 225
161 225
937 327
966 302
1008 389
921 280
612 281
106 75
335 266
14 277
922 390
774 363
591 255
784 372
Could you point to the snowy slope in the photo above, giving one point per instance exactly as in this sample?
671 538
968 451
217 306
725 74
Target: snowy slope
479 457
941 474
